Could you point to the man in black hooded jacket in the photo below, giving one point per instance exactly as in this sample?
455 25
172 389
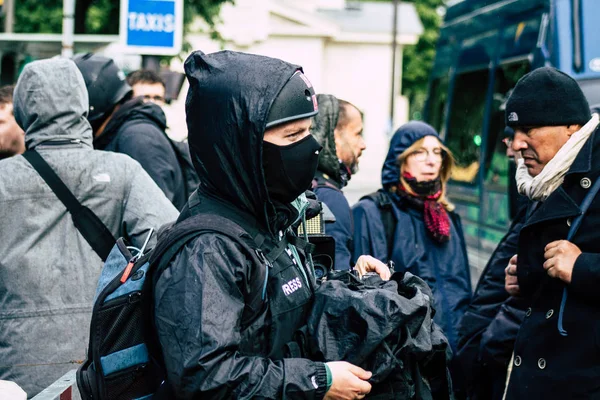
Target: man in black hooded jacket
248 120
129 125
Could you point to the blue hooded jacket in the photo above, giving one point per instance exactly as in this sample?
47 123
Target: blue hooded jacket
444 266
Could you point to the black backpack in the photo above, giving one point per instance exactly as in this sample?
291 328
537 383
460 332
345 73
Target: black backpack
384 203
124 359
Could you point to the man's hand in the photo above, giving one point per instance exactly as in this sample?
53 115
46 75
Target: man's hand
366 264
348 381
560 259
511 284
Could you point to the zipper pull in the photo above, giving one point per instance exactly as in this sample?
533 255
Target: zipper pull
129 266
128 269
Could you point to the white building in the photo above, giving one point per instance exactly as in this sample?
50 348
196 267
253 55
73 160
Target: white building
345 50
344 47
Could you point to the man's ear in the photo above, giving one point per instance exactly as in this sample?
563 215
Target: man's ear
337 133
572 129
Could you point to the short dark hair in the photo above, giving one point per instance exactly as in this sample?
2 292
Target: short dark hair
343 118
6 94
144 76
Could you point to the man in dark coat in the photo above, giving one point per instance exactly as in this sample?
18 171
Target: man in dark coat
129 125
338 127
248 119
557 352
488 329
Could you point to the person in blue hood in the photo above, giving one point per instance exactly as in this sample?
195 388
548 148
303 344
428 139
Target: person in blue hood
411 222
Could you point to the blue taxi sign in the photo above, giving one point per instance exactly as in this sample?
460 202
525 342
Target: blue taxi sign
152 27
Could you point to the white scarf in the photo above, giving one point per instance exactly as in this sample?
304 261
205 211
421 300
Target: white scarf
552 176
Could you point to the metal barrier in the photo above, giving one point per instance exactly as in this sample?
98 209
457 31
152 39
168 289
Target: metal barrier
61 389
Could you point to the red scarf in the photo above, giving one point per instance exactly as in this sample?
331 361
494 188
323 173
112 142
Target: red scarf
435 216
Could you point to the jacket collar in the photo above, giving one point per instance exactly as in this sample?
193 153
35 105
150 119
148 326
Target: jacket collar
583 161
323 179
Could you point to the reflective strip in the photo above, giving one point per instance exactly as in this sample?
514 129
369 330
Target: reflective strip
145 397
124 359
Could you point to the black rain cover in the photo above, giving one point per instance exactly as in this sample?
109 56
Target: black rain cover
384 327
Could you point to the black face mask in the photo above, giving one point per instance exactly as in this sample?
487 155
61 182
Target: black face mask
289 170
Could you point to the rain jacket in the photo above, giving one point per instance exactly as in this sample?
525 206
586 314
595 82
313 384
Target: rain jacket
138 130
329 182
443 266
48 271
204 293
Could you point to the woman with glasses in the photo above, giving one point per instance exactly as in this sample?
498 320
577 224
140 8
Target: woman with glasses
411 222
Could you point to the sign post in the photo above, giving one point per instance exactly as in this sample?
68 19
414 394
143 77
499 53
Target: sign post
152 27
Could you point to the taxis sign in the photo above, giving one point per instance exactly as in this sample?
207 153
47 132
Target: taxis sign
152 27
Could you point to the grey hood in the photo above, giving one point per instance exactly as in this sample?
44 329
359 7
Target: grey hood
324 124
51 103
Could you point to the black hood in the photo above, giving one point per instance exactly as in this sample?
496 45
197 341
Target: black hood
132 110
227 106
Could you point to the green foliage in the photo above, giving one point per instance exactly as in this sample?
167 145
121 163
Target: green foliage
97 16
418 59
208 10
102 17
34 16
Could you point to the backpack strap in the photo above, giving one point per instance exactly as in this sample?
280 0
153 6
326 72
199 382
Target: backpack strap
384 203
174 238
87 223
183 232
585 204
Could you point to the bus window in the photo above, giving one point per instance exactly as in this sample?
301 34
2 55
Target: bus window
507 76
520 38
437 103
466 123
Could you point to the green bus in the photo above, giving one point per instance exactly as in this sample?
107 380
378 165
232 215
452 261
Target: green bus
484 47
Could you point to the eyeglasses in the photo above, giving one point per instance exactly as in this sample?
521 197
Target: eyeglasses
422 155
508 141
156 99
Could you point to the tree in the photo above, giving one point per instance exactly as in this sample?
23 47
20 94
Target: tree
97 16
418 59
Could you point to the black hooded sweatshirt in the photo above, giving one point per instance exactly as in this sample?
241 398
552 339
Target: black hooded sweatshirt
138 130
201 296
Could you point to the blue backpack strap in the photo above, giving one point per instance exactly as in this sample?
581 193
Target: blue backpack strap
585 204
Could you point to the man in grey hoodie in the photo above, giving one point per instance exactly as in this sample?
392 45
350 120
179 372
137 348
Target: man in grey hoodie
48 271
